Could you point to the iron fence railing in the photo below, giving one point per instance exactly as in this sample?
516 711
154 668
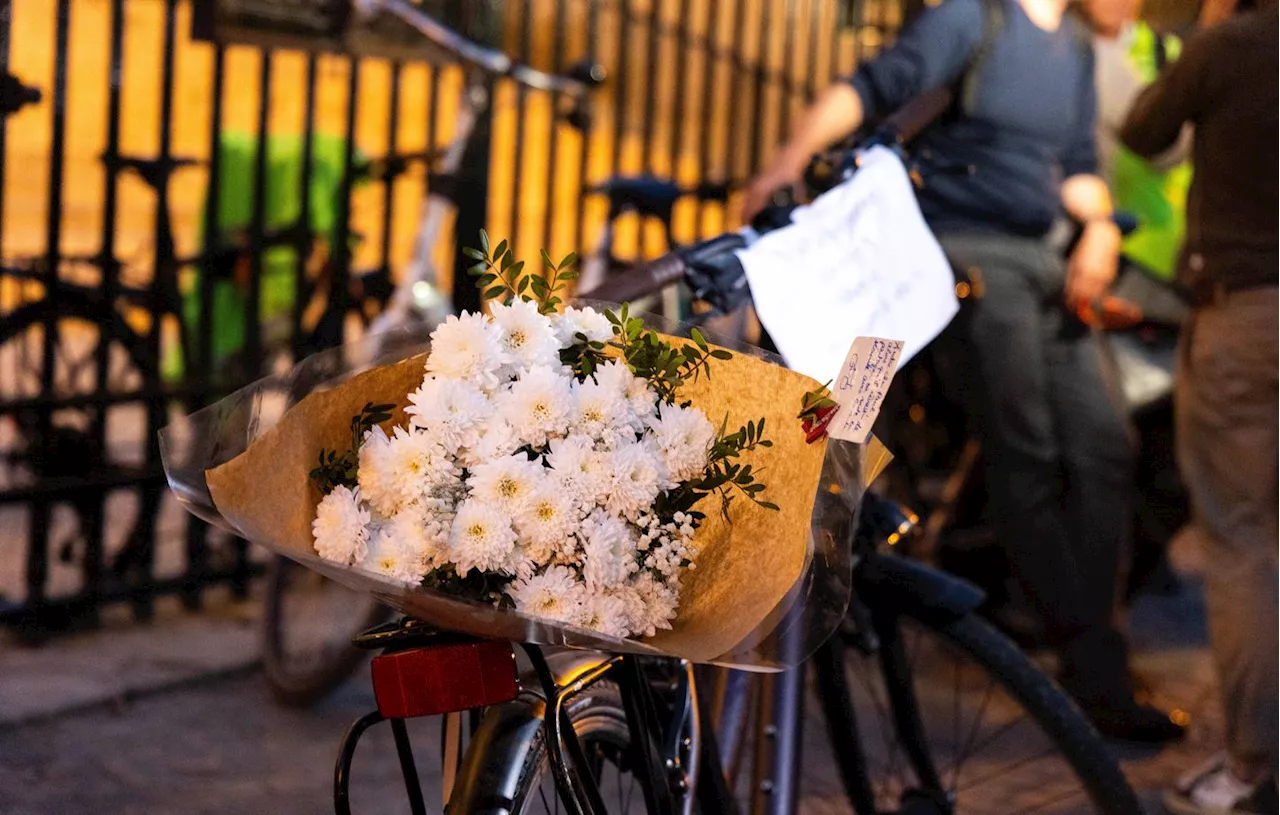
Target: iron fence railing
176 214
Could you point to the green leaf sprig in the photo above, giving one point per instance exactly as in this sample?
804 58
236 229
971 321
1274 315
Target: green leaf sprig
335 470
500 276
652 358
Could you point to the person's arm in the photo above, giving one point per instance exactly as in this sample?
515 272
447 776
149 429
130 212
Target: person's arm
1155 121
1094 262
931 53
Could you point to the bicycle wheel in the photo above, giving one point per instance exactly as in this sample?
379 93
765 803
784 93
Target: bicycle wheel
308 624
517 779
956 700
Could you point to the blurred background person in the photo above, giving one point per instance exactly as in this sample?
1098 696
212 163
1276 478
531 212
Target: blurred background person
1129 54
1024 122
1225 85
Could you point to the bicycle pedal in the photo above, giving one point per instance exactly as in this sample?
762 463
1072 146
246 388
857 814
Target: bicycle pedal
444 678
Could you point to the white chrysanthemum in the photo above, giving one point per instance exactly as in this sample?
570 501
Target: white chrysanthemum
599 408
390 557
373 473
414 463
468 347
637 478
635 612
506 483
609 550
640 397
581 471
526 336
481 538
683 438
546 528
603 612
660 603
452 411
341 527
497 440
555 594
538 406
422 533
587 321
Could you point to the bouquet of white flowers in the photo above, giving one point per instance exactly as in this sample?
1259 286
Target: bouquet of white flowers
562 476
546 462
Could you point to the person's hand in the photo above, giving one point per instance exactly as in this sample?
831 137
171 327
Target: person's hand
758 193
1093 264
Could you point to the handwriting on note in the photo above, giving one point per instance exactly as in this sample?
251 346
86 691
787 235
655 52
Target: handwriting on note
860 388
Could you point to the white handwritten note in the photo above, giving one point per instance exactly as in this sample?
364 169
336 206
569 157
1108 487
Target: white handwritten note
857 262
860 388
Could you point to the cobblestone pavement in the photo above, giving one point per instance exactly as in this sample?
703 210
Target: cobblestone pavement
222 746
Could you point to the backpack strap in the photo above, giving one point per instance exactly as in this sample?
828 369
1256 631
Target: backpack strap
993 21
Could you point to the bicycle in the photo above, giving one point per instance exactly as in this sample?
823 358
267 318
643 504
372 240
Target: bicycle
583 718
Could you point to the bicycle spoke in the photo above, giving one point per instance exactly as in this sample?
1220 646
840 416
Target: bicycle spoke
1003 770
963 755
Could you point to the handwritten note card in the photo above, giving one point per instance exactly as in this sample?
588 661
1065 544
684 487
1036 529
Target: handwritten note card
858 261
860 388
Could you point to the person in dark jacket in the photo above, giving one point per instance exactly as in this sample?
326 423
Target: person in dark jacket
1058 451
1225 86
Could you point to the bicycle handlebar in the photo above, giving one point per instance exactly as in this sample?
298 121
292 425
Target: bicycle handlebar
487 60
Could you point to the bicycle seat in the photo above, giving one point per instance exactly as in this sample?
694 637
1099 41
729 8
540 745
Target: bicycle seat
646 194
154 171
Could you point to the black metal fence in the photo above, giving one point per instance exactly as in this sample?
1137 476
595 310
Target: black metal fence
177 215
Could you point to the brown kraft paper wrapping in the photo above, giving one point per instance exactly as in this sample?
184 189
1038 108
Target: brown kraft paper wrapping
744 568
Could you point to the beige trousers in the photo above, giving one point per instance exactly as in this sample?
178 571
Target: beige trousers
1227 448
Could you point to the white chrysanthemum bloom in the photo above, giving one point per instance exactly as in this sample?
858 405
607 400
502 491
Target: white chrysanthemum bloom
640 397
581 471
638 477
599 408
468 347
635 612
341 527
481 538
660 602
452 411
683 438
555 594
390 557
603 612
587 321
546 528
538 406
373 473
414 463
506 483
609 550
497 440
527 337
422 533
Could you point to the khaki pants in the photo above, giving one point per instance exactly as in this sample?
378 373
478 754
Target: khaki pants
1227 447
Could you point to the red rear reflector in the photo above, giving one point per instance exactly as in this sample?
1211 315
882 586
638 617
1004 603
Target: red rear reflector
444 678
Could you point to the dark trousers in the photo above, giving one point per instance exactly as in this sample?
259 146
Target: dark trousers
1058 450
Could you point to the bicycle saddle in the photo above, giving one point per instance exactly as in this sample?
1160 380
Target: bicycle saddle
646 194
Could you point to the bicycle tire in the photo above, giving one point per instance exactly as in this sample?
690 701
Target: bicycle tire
1048 706
288 686
517 781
